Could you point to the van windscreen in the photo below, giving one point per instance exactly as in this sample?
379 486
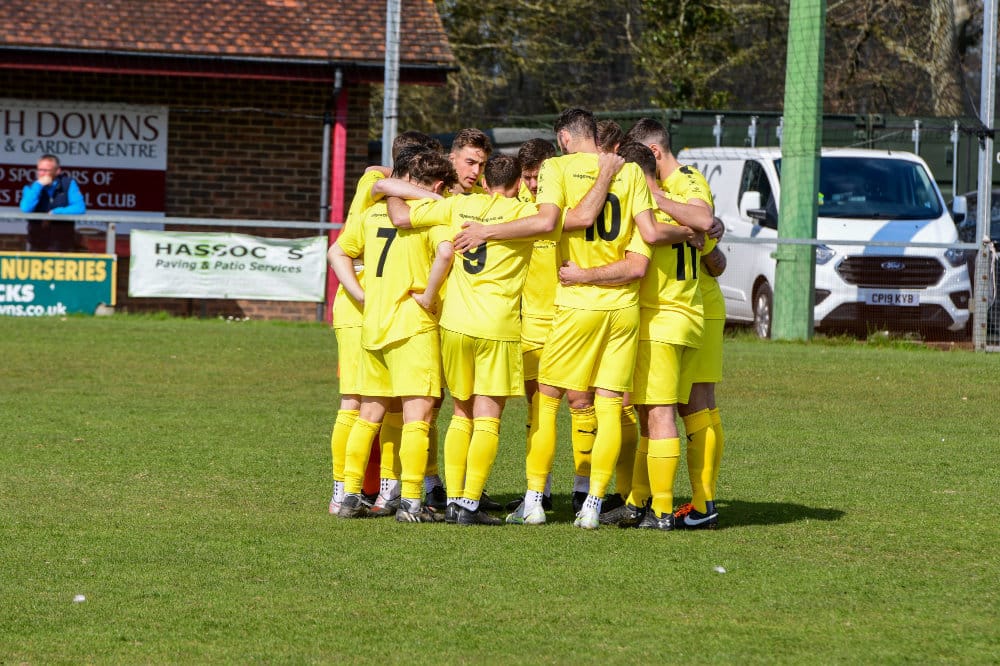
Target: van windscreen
875 188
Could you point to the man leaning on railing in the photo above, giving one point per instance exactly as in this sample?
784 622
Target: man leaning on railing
57 193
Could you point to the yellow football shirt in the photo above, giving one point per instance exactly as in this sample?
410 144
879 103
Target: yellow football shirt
669 295
347 311
397 262
563 181
485 284
524 194
687 183
538 300
713 302
684 184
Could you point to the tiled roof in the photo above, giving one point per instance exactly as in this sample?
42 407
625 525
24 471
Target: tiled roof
351 31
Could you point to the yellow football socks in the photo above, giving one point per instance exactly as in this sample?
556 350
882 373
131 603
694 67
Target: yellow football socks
626 459
583 431
432 451
482 453
640 474
720 442
607 444
359 447
662 460
392 427
413 447
338 440
456 452
541 441
700 457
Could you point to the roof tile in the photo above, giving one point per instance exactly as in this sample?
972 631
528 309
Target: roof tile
333 30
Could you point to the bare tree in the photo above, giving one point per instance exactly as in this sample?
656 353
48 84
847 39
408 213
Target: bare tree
895 56
526 57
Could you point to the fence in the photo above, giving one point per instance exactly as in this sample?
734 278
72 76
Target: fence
854 292
869 287
948 145
101 235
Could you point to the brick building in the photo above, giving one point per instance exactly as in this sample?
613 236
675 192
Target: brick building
248 84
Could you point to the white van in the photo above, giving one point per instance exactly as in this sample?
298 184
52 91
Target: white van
864 195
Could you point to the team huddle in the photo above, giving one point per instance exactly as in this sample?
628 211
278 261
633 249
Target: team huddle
588 275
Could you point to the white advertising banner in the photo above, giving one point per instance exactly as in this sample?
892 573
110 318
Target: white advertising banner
181 264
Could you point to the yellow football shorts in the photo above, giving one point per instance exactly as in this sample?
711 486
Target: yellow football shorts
534 330
348 359
410 367
591 348
478 366
660 377
706 364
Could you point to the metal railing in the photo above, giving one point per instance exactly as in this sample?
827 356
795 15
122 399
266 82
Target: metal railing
112 221
990 308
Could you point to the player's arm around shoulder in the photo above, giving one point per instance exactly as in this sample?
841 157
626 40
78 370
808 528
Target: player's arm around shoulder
688 199
629 269
524 210
656 232
541 224
365 195
403 197
421 212
695 212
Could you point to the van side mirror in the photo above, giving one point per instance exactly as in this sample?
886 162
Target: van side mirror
749 203
750 207
960 208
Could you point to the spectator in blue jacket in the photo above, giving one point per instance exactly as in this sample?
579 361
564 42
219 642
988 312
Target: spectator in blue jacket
57 193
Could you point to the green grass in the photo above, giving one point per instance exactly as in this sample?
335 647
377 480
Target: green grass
176 473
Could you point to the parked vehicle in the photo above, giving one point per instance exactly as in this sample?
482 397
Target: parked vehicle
964 209
864 195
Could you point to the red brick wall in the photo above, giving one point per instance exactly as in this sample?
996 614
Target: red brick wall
236 149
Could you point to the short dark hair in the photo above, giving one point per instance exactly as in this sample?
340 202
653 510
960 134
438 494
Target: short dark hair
427 167
402 160
535 151
502 171
414 138
470 136
648 131
578 122
49 156
609 135
633 151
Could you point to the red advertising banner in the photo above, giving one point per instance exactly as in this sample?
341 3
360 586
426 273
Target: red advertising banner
119 190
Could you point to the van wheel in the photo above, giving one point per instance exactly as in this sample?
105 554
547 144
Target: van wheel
762 308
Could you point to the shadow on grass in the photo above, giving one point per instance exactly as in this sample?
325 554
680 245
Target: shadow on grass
732 513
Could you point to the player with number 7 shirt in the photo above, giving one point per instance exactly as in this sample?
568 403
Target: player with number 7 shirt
400 355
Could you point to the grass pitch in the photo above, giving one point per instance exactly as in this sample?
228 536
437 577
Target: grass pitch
176 474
